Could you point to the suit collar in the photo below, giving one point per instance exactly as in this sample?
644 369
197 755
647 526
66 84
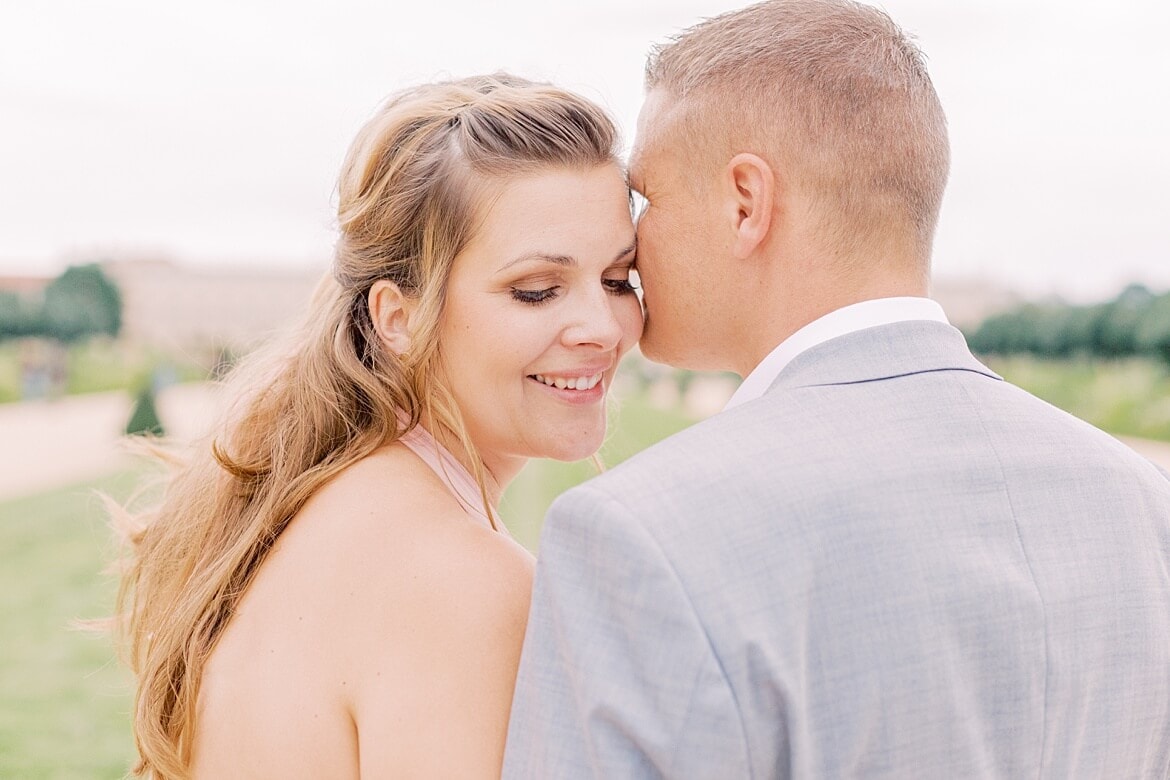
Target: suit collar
882 352
839 322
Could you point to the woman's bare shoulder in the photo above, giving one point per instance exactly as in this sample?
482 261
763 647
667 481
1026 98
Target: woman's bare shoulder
431 620
380 593
390 504
382 600
398 544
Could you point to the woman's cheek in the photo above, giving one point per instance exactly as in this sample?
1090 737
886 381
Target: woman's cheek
632 320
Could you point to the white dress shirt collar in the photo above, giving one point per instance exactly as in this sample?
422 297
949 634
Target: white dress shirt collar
855 317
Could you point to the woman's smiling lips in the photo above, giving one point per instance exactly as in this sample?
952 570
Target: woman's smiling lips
577 387
572 382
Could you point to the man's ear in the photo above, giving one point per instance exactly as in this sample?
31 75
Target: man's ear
390 313
752 189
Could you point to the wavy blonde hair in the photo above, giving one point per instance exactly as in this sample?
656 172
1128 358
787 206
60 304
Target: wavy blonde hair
411 192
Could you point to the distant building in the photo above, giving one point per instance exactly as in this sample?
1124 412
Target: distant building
173 306
24 286
968 302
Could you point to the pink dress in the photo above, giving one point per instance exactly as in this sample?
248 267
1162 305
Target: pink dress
452 473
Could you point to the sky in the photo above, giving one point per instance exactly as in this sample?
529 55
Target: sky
211 133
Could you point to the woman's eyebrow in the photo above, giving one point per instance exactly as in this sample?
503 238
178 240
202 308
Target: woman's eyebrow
562 260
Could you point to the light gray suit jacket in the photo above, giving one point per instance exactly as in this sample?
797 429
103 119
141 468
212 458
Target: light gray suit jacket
894 564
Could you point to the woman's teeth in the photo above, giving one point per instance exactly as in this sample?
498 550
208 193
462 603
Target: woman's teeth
571 383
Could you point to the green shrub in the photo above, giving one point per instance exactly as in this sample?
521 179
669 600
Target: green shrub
144 419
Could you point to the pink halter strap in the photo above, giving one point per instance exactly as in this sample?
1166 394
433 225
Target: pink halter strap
457 479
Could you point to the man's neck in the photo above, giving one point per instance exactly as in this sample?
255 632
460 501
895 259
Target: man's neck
781 315
841 322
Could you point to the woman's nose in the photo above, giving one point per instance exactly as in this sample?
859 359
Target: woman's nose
595 322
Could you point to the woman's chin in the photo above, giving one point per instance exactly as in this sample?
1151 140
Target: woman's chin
577 450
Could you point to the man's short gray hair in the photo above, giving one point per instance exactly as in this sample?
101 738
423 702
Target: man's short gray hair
839 94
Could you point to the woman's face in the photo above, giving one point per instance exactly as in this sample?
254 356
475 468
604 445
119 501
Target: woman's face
539 310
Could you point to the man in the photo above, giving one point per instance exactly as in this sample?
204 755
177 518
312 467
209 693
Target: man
881 560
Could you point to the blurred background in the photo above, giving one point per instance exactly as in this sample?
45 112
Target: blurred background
166 192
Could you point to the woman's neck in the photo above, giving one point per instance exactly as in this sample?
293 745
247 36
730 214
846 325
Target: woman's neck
497 473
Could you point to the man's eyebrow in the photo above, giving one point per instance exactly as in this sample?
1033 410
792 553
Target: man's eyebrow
626 251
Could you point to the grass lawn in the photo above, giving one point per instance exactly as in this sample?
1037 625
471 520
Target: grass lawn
1125 397
64 700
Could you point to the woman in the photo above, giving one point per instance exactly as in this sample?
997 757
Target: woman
326 591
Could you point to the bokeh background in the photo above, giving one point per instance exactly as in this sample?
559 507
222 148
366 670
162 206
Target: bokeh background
166 191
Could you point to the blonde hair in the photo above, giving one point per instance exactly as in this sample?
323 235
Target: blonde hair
836 90
411 191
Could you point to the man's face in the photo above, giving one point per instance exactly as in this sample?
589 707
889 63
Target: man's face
677 262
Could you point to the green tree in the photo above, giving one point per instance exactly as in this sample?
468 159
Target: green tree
19 317
1136 322
1152 336
1037 329
1116 332
1081 325
82 302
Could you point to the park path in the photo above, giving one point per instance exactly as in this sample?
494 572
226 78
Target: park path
1156 451
49 444
52 443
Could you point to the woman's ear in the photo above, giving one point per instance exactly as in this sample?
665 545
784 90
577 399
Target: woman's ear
390 312
752 187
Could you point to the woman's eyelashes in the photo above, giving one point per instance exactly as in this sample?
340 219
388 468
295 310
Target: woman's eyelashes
534 297
619 286
624 285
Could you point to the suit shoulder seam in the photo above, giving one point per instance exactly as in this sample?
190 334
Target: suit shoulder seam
660 550
1044 744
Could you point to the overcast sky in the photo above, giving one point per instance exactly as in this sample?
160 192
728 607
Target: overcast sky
211 132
